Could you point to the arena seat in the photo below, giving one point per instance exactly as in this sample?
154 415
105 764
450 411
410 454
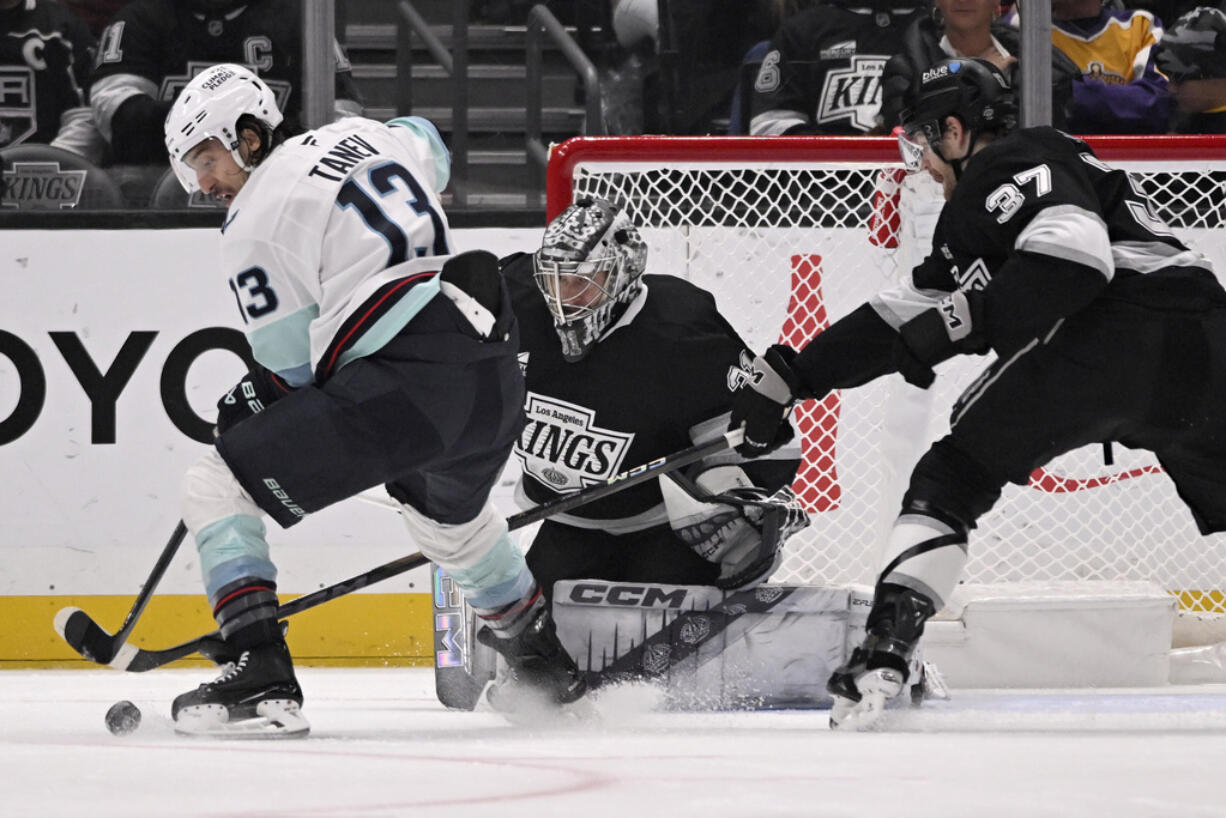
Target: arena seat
40 177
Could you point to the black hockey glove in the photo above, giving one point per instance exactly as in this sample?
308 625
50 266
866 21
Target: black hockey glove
250 396
763 402
936 335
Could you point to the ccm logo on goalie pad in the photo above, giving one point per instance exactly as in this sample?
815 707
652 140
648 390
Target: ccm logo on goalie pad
633 596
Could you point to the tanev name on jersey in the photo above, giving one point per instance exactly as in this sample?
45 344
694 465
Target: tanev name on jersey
343 157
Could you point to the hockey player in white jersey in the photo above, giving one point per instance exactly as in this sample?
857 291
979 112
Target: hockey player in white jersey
381 359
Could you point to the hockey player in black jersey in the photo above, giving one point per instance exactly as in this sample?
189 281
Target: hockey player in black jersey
1105 327
623 368
153 48
823 72
45 57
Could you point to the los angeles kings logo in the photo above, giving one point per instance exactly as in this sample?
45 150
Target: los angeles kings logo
853 93
563 447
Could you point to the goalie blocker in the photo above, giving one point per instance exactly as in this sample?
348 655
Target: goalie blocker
772 646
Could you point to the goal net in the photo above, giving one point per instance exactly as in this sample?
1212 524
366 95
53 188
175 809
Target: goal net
792 233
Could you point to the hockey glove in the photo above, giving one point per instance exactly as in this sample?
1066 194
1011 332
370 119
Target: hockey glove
762 403
250 396
936 335
732 523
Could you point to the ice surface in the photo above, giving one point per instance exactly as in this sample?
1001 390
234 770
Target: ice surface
382 746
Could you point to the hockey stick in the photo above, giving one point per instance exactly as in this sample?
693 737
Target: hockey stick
211 645
458 681
137 660
87 638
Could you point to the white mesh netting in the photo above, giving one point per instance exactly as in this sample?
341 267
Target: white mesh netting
789 239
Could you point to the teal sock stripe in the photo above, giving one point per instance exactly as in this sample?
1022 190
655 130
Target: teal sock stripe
231 549
499 578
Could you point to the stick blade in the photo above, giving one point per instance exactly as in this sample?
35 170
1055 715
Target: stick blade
84 635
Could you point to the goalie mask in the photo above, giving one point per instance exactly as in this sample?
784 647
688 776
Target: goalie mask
209 107
589 269
974 91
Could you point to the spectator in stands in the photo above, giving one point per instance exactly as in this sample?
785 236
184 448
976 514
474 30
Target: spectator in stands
45 56
966 28
823 72
1163 10
97 14
686 64
153 47
1192 54
1120 89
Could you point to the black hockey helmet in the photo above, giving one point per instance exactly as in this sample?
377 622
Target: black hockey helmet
975 91
1194 47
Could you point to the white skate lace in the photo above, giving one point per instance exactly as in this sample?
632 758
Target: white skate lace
231 669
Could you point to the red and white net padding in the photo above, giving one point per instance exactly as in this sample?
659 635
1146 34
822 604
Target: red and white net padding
792 233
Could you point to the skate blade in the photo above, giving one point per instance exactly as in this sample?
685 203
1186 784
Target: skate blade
274 719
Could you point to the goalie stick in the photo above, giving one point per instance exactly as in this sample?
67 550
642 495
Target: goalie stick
87 638
112 650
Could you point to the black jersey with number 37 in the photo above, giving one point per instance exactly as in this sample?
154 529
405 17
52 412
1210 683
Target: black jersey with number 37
1042 227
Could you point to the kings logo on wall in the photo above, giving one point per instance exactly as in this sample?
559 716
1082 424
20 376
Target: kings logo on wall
42 186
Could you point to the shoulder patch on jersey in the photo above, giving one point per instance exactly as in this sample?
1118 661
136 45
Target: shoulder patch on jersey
742 372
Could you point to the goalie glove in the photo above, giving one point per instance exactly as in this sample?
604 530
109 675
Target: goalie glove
730 522
250 396
763 402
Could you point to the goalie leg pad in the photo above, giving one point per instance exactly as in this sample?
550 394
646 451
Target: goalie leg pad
771 646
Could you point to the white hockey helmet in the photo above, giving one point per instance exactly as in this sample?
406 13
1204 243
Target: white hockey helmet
209 107
590 266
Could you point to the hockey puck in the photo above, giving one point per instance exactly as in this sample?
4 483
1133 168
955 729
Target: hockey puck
123 718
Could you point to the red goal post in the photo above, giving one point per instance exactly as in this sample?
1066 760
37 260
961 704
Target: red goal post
791 233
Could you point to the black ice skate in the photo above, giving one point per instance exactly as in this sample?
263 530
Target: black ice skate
255 697
539 674
877 670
